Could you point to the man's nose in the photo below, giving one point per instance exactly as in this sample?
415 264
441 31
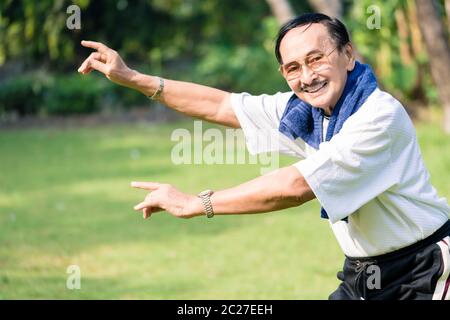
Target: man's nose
307 76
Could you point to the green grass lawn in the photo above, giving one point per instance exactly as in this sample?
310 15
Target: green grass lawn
65 200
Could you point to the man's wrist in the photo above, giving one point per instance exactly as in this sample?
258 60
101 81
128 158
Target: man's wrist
133 79
196 207
143 83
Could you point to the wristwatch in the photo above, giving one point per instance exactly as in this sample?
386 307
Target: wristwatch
206 200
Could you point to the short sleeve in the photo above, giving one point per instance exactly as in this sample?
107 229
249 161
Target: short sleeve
355 166
259 118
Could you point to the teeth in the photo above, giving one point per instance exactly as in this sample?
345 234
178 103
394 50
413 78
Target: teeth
316 87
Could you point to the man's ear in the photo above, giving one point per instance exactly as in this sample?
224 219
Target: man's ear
348 50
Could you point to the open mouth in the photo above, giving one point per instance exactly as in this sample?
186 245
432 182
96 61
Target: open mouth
315 87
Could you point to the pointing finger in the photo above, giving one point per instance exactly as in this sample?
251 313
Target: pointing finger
100 47
145 185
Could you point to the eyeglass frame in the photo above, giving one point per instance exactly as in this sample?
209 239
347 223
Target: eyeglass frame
302 65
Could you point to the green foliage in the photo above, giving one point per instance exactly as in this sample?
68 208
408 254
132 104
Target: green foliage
73 94
34 31
226 44
381 48
23 94
38 93
178 39
250 68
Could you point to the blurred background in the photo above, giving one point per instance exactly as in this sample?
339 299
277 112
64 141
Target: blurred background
70 144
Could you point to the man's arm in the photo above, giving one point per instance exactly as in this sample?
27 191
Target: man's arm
281 189
191 99
188 98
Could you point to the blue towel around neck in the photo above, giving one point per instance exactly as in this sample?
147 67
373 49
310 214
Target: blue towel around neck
301 120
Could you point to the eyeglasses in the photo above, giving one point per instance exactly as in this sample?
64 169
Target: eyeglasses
315 62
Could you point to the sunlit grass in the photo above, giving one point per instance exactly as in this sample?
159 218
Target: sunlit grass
65 199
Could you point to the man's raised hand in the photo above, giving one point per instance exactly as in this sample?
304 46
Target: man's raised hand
108 62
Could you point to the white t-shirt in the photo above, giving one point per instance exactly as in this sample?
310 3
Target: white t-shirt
371 171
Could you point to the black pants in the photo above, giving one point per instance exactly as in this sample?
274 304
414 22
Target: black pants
417 272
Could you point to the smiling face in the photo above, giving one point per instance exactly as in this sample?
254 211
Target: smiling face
321 88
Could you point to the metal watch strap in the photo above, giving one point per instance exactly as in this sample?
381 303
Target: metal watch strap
205 196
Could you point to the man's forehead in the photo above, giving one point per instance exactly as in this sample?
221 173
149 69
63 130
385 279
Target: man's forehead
299 41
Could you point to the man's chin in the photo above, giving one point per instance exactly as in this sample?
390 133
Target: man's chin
316 102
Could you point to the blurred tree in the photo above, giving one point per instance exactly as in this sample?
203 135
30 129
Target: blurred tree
438 49
403 34
447 9
332 8
394 49
282 10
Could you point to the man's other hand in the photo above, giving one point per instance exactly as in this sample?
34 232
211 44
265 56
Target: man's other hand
168 198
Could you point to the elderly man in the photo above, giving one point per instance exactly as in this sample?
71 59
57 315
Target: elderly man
358 154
